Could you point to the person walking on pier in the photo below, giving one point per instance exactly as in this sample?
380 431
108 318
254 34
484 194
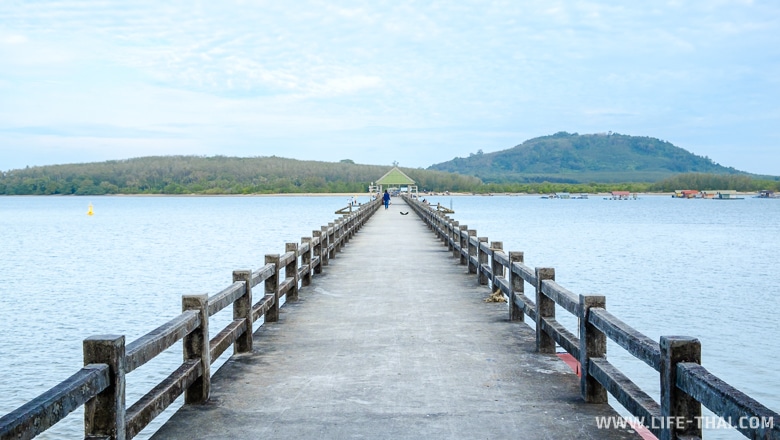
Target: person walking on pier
386 199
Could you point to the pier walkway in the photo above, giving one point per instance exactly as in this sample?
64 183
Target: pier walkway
393 340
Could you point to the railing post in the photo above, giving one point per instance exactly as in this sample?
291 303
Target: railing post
332 244
196 346
317 236
482 259
518 286
242 309
453 228
680 412
104 415
462 243
545 308
325 241
472 250
291 271
338 234
593 344
350 227
442 232
306 262
496 268
272 288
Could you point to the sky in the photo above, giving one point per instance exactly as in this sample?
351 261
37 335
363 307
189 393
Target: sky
377 82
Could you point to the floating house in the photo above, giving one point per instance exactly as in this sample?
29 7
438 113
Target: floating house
621 195
687 194
728 195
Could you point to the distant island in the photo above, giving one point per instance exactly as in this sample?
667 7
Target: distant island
574 158
563 162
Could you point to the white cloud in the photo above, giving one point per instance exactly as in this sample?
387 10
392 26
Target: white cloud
13 39
434 76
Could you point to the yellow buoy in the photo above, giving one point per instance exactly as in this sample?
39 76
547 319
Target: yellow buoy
90 211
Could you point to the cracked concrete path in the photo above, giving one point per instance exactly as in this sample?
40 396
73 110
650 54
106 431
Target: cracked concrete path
393 340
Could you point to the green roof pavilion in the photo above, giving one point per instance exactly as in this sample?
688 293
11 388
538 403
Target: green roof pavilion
395 178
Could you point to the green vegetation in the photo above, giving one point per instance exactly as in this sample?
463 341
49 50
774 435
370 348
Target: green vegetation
699 181
703 182
574 158
559 163
213 175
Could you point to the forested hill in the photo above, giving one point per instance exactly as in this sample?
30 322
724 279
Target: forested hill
565 157
214 175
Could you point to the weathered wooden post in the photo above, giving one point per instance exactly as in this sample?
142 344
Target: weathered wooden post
347 225
272 288
482 259
291 271
453 229
242 309
354 224
545 308
680 412
317 252
593 344
518 286
442 231
496 268
306 261
325 240
104 415
196 346
338 233
332 243
462 243
472 248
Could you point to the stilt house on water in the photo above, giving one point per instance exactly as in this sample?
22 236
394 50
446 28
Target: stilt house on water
622 195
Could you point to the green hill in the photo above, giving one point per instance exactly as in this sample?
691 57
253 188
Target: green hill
574 158
214 175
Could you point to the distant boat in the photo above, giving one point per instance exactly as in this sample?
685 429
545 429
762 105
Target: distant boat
767 194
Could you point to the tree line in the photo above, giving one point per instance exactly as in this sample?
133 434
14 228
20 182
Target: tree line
267 175
213 175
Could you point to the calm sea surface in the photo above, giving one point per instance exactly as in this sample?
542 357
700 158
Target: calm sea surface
702 268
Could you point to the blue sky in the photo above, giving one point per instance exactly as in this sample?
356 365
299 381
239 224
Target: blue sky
408 81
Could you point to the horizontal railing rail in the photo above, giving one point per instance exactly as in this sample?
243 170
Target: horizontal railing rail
100 384
685 384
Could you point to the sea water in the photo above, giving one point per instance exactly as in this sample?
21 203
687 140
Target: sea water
65 276
701 268
694 267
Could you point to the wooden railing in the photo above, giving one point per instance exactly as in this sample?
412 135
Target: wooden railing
100 384
685 384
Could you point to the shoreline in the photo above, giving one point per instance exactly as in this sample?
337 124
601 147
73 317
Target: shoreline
360 194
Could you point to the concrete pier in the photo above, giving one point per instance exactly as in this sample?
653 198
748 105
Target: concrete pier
393 340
